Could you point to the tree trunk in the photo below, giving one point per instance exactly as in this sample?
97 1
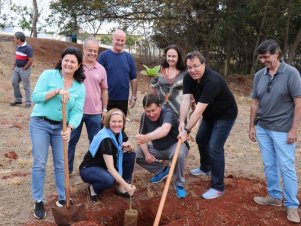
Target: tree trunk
35 16
259 36
293 47
286 33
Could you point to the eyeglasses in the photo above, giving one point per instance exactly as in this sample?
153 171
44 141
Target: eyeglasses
193 67
270 85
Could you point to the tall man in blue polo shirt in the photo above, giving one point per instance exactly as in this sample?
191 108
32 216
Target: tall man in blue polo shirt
274 121
22 69
121 73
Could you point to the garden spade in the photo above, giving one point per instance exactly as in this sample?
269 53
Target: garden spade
166 186
68 214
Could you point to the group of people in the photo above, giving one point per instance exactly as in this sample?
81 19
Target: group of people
96 91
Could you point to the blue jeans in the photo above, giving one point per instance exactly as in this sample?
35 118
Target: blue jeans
21 75
278 159
93 125
43 134
101 179
211 138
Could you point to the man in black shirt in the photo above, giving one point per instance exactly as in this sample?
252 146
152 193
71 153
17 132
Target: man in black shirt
158 140
217 105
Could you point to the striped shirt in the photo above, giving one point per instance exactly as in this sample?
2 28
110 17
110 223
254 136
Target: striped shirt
23 53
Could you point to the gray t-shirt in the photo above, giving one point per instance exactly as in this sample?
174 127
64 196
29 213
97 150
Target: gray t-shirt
167 116
276 97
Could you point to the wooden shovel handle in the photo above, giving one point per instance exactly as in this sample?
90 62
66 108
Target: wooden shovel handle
66 167
165 191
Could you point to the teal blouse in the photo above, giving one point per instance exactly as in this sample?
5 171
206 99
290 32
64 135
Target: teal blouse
52 108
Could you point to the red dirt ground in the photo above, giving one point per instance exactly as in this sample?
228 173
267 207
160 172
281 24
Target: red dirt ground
236 207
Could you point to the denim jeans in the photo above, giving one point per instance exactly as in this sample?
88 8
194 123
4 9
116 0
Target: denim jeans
93 125
43 134
21 75
278 159
211 138
101 179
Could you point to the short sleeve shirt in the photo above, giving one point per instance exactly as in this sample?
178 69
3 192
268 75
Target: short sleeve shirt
276 106
214 91
167 116
96 80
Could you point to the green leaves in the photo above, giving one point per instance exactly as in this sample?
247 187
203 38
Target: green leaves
151 72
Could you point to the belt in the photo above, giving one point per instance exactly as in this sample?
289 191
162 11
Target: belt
19 66
49 120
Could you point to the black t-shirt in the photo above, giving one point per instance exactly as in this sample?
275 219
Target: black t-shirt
167 116
214 91
106 147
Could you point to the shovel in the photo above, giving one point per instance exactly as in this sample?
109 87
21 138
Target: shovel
68 214
166 186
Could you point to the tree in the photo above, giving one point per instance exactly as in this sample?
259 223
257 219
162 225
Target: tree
35 16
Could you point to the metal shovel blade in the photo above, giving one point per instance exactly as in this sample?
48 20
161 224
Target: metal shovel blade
68 216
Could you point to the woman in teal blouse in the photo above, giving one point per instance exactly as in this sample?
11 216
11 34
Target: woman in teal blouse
64 83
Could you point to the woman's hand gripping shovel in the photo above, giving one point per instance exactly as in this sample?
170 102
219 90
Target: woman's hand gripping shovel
68 214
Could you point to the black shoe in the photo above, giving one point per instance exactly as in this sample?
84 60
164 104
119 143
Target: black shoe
27 105
39 211
122 194
94 198
15 103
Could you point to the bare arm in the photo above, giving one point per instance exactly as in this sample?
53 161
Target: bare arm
134 86
104 101
158 133
195 117
254 109
293 133
109 161
184 109
29 63
149 158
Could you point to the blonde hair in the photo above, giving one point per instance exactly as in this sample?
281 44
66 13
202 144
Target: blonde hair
114 111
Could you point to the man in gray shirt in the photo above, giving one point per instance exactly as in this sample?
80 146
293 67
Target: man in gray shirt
274 121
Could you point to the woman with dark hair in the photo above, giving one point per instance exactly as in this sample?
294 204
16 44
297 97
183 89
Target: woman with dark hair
62 84
110 159
169 84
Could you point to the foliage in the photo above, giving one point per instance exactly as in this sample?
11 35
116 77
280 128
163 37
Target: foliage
227 32
151 72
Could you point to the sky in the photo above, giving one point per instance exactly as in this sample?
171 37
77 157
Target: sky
43 7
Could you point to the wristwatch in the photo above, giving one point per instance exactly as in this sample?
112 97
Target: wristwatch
134 98
105 110
187 130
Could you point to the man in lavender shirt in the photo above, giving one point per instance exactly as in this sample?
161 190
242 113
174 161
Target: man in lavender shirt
96 101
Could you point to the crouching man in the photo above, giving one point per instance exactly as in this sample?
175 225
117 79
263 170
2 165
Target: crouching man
158 141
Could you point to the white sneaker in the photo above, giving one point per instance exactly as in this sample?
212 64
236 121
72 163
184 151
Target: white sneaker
198 172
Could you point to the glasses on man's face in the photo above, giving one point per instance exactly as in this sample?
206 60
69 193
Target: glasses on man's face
189 68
